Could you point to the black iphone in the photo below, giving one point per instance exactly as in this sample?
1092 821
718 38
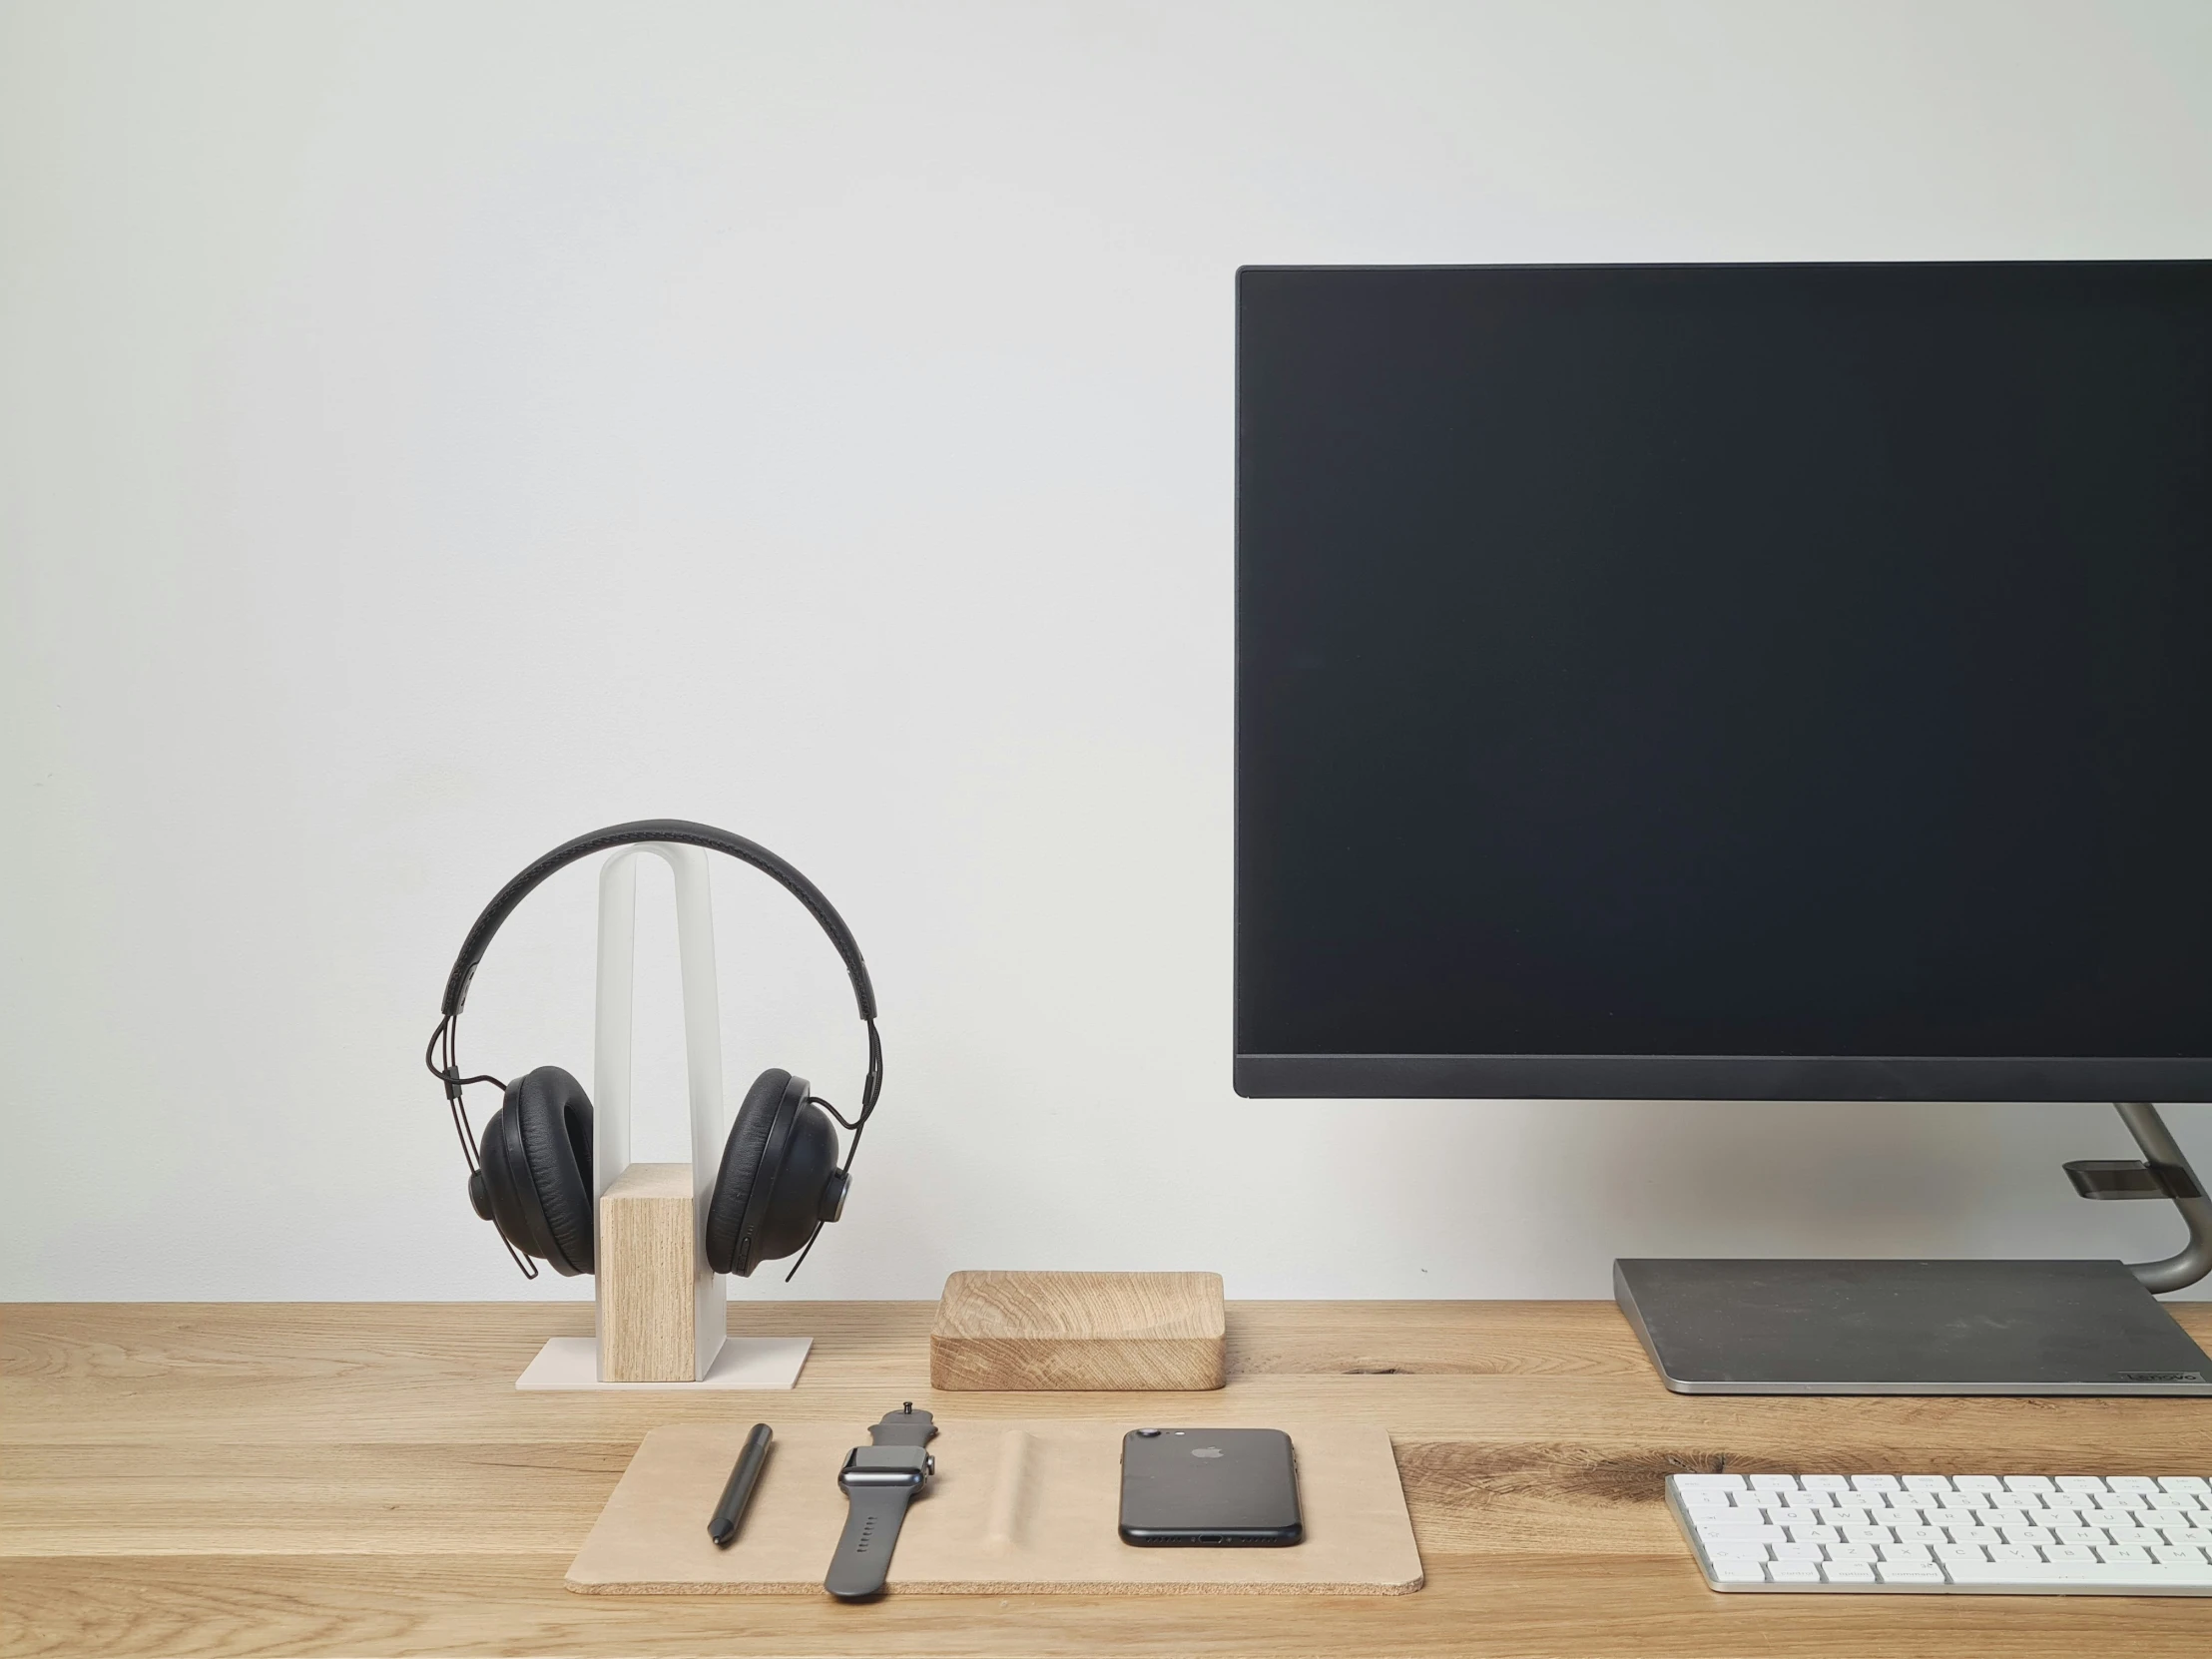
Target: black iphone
1209 1486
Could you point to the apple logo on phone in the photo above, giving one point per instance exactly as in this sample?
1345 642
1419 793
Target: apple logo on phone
1204 1451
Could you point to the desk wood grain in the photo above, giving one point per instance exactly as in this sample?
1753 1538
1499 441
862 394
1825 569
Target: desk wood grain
365 1480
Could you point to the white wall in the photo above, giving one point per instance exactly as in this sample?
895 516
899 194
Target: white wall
430 430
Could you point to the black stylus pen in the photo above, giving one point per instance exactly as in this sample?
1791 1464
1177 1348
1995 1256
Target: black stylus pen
739 1492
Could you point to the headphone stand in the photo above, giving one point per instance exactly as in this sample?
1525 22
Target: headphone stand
661 1313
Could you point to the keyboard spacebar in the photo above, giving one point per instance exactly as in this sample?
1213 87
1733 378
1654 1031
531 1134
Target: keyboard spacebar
2123 1576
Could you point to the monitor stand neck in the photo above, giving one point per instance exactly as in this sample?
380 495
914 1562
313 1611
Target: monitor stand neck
2169 1176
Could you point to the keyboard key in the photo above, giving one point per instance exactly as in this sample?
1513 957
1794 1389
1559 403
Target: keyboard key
1739 1572
1754 1553
2132 1535
1798 1553
2028 1535
1866 1536
1825 1482
1852 1552
1975 1535
1978 1482
1728 1534
2082 1484
1927 1483
1910 1572
1905 1552
1960 1552
1847 1572
2090 1535
1774 1483
1921 1536
1829 1535
1707 1482
2179 1555
2073 1553
2195 1484
2028 1484
2015 1552
1794 1572
1875 1483
2131 1484
2123 1552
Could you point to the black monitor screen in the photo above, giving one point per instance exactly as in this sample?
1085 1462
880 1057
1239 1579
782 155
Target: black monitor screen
1736 680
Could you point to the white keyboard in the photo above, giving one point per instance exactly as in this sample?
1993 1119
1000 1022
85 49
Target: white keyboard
1973 1534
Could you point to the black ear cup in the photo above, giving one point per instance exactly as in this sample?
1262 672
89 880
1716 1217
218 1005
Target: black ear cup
794 1202
741 1162
779 1177
535 1180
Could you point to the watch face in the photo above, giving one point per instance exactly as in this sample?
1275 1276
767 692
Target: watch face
886 1465
889 1457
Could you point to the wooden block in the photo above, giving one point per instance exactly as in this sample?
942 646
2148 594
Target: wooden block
646 1260
1017 1509
1114 1330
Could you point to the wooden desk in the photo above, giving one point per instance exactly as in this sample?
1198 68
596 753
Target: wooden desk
364 1479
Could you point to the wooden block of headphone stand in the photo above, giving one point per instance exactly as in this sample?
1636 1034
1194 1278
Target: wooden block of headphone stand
647 1262
1111 1330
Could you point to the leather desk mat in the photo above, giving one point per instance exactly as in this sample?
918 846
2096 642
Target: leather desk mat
1016 1508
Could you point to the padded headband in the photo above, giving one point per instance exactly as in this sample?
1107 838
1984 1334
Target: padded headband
659 830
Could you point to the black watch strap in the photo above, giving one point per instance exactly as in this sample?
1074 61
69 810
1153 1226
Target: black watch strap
905 1427
879 1481
864 1558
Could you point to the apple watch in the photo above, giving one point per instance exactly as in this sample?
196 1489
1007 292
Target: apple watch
879 1481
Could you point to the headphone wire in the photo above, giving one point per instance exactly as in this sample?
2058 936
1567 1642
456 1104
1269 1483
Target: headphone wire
440 1058
870 1090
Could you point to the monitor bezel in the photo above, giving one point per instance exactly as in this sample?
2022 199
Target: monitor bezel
1716 1077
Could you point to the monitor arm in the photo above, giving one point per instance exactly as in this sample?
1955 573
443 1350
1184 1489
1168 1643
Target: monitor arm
2164 1172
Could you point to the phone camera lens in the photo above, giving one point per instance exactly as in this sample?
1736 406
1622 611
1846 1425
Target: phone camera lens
1148 1433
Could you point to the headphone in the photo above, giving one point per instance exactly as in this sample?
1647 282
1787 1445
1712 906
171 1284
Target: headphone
780 1180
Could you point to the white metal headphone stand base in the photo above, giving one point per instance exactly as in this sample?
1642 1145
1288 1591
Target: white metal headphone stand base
634 1289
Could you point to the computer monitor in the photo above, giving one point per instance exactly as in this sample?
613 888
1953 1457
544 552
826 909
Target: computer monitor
1724 681
1740 682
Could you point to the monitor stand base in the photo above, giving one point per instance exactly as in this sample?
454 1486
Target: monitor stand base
1907 1327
